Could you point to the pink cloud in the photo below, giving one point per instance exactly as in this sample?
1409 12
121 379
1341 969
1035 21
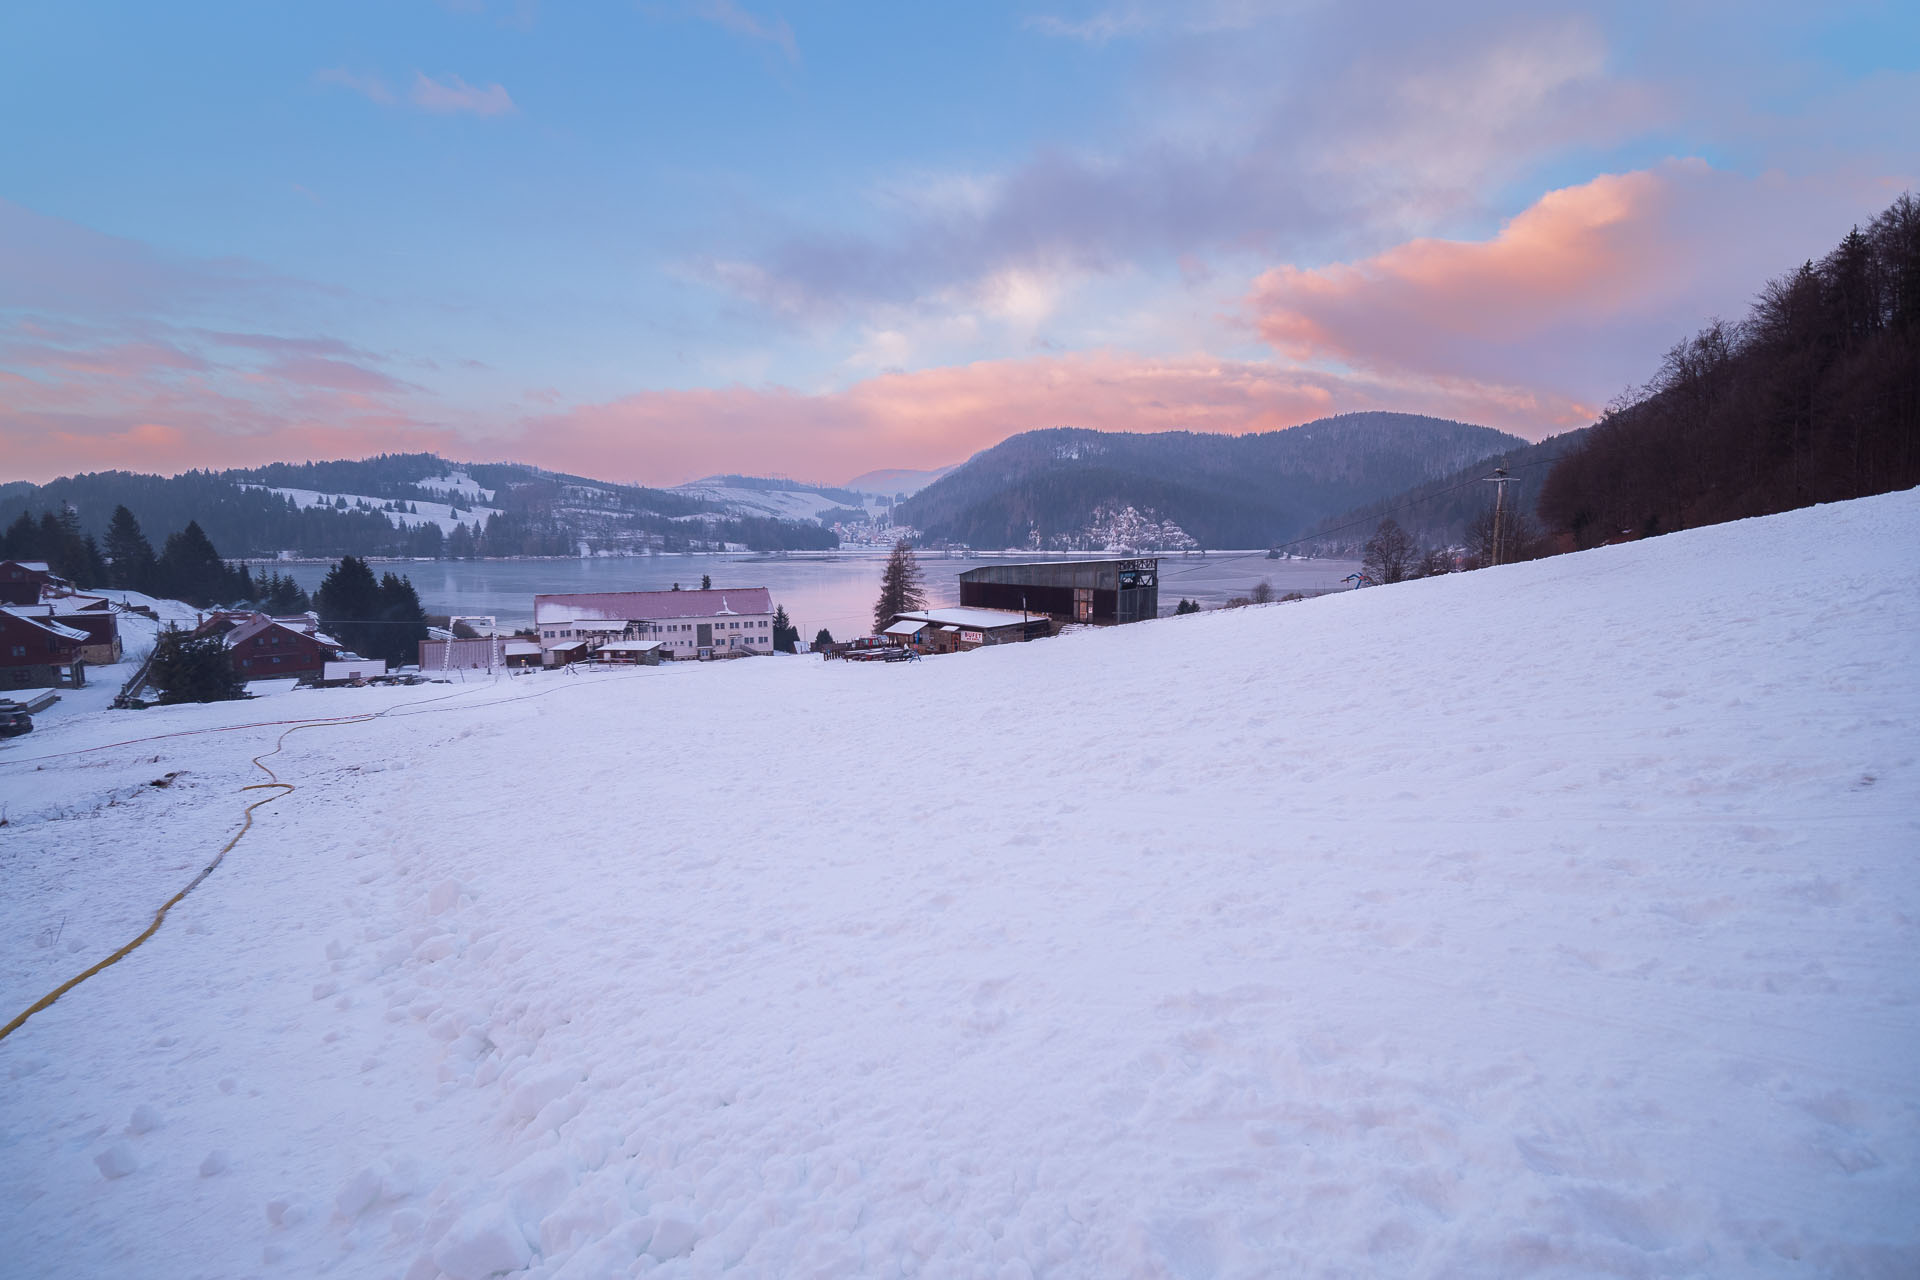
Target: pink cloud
936 416
729 15
337 375
369 85
446 97
1577 295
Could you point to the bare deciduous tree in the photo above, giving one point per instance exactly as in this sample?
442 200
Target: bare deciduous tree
1388 555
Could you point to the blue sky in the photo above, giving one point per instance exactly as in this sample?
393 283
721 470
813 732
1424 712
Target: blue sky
657 240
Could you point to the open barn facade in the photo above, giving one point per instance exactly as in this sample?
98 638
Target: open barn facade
1089 591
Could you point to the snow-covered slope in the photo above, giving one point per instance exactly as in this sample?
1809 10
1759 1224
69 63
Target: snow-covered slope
1557 919
423 511
797 503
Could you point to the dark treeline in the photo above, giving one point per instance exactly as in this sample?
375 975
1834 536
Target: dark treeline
1814 397
187 567
376 618
532 513
246 522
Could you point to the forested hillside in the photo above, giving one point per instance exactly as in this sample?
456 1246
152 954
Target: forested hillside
403 505
1044 488
1814 397
1450 511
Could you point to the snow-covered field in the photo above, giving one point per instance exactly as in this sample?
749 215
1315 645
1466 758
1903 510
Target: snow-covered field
1561 919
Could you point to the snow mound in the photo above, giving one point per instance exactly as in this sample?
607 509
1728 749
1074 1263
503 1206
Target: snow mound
1558 918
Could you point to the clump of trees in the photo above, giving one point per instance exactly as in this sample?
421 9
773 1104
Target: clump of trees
1186 606
786 636
193 668
1813 397
822 639
901 586
58 540
375 618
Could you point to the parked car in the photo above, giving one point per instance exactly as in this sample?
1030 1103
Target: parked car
14 720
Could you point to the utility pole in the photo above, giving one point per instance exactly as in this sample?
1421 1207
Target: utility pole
1499 480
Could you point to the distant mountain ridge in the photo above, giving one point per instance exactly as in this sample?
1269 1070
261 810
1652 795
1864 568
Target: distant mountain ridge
1069 487
412 505
895 482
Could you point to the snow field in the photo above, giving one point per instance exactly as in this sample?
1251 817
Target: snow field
1552 920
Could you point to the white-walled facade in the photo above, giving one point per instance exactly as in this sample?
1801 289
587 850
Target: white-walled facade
684 622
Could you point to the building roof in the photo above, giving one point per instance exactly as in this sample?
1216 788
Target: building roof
627 646
260 622
45 624
649 606
570 644
904 627
36 566
521 648
973 619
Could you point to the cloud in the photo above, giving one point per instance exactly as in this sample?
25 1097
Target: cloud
1098 29
931 417
453 95
368 84
1293 139
449 96
336 375
1580 292
731 17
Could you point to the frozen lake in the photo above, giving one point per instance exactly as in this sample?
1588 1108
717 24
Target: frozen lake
835 590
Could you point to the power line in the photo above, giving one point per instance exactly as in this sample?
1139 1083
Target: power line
1353 524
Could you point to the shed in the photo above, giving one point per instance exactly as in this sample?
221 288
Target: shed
644 653
353 669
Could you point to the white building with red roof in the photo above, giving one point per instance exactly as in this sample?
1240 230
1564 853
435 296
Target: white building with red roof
688 624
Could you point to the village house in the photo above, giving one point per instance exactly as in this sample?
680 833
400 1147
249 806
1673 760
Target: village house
266 648
39 653
24 581
687 624
956 630
93 615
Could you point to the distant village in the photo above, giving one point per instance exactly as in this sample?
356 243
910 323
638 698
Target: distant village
51 631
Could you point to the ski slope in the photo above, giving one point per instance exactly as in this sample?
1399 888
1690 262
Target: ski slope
1558 919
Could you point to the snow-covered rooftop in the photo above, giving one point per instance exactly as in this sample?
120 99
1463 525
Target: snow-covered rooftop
975 619
649 606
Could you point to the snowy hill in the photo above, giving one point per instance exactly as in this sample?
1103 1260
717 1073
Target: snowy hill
895 483
778 499
1554 919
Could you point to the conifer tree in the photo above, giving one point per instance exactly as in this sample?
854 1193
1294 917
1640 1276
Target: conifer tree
193 668
348 603
191 570
22 539
786 636
900 586
822 639
132 564
403 622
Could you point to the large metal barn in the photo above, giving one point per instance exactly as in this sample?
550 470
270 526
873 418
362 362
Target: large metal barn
1097 591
